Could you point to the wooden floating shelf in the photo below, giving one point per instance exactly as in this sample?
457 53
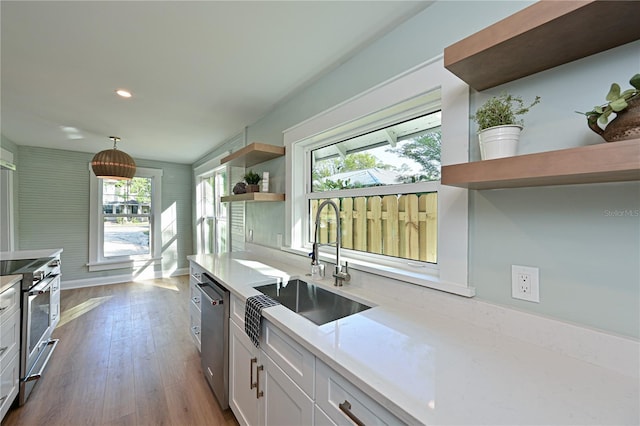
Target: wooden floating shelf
253 154
542 36
253 196
606 162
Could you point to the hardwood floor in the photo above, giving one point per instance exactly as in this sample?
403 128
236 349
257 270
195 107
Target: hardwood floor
125 357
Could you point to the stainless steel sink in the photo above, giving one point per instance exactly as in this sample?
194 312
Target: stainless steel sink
312 302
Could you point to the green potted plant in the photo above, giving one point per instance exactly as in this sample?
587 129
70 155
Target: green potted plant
626 106
252 180
499 126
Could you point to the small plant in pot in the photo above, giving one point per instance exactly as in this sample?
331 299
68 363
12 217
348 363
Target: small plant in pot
625 105
252 180
499 126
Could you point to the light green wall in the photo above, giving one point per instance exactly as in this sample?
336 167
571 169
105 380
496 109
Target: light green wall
588 260
54 208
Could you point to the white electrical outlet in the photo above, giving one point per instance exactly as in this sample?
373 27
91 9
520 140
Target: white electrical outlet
524 283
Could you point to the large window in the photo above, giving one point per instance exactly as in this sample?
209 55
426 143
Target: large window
126 217
213 235
125 220
378 157
387 214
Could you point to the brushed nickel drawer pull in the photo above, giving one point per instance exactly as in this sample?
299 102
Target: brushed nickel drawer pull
345 407
251 384
259 393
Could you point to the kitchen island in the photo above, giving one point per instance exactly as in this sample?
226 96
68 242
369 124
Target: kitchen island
442 359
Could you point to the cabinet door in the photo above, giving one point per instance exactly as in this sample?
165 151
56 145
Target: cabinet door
243 364
9 339
284 402
9 385
320 418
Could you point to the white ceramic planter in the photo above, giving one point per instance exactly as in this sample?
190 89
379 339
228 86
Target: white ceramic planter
499 141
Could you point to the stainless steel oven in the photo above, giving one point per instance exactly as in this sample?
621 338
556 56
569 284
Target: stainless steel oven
39 277
36 332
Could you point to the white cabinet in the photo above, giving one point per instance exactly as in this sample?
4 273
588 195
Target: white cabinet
261 393
9 301
9 325
195 278
9 378
284 403
9 338
243 380
344 403
320 417
9 346
282 383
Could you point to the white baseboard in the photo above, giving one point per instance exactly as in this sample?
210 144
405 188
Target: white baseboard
118 279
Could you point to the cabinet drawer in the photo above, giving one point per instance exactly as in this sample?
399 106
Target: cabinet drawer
194 324
236 311
9 338
195 272
333 391
9 385
297 362
196 296
9 301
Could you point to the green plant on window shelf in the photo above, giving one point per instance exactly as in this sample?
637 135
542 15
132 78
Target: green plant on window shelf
252 178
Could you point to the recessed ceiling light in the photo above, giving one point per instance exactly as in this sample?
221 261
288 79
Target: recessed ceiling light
123 93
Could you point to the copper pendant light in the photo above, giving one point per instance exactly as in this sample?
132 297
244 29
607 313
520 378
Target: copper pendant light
113 164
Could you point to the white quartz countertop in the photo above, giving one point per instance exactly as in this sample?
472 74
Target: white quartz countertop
6 281
29 254
434 369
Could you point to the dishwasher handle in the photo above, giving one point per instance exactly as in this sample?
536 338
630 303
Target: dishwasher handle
205 290
212 291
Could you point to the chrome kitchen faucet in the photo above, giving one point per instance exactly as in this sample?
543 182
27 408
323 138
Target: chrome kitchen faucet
339 273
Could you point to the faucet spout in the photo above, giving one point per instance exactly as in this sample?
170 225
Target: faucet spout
340 274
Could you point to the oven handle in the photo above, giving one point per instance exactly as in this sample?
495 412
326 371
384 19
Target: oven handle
41 287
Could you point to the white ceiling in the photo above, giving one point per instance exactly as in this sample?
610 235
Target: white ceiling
200 71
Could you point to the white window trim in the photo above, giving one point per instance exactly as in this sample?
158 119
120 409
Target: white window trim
204 171
353 116
97 262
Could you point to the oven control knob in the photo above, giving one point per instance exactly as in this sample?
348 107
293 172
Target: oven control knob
38 275
54 263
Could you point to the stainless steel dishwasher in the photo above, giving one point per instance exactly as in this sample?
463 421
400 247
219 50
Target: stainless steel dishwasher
214 336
